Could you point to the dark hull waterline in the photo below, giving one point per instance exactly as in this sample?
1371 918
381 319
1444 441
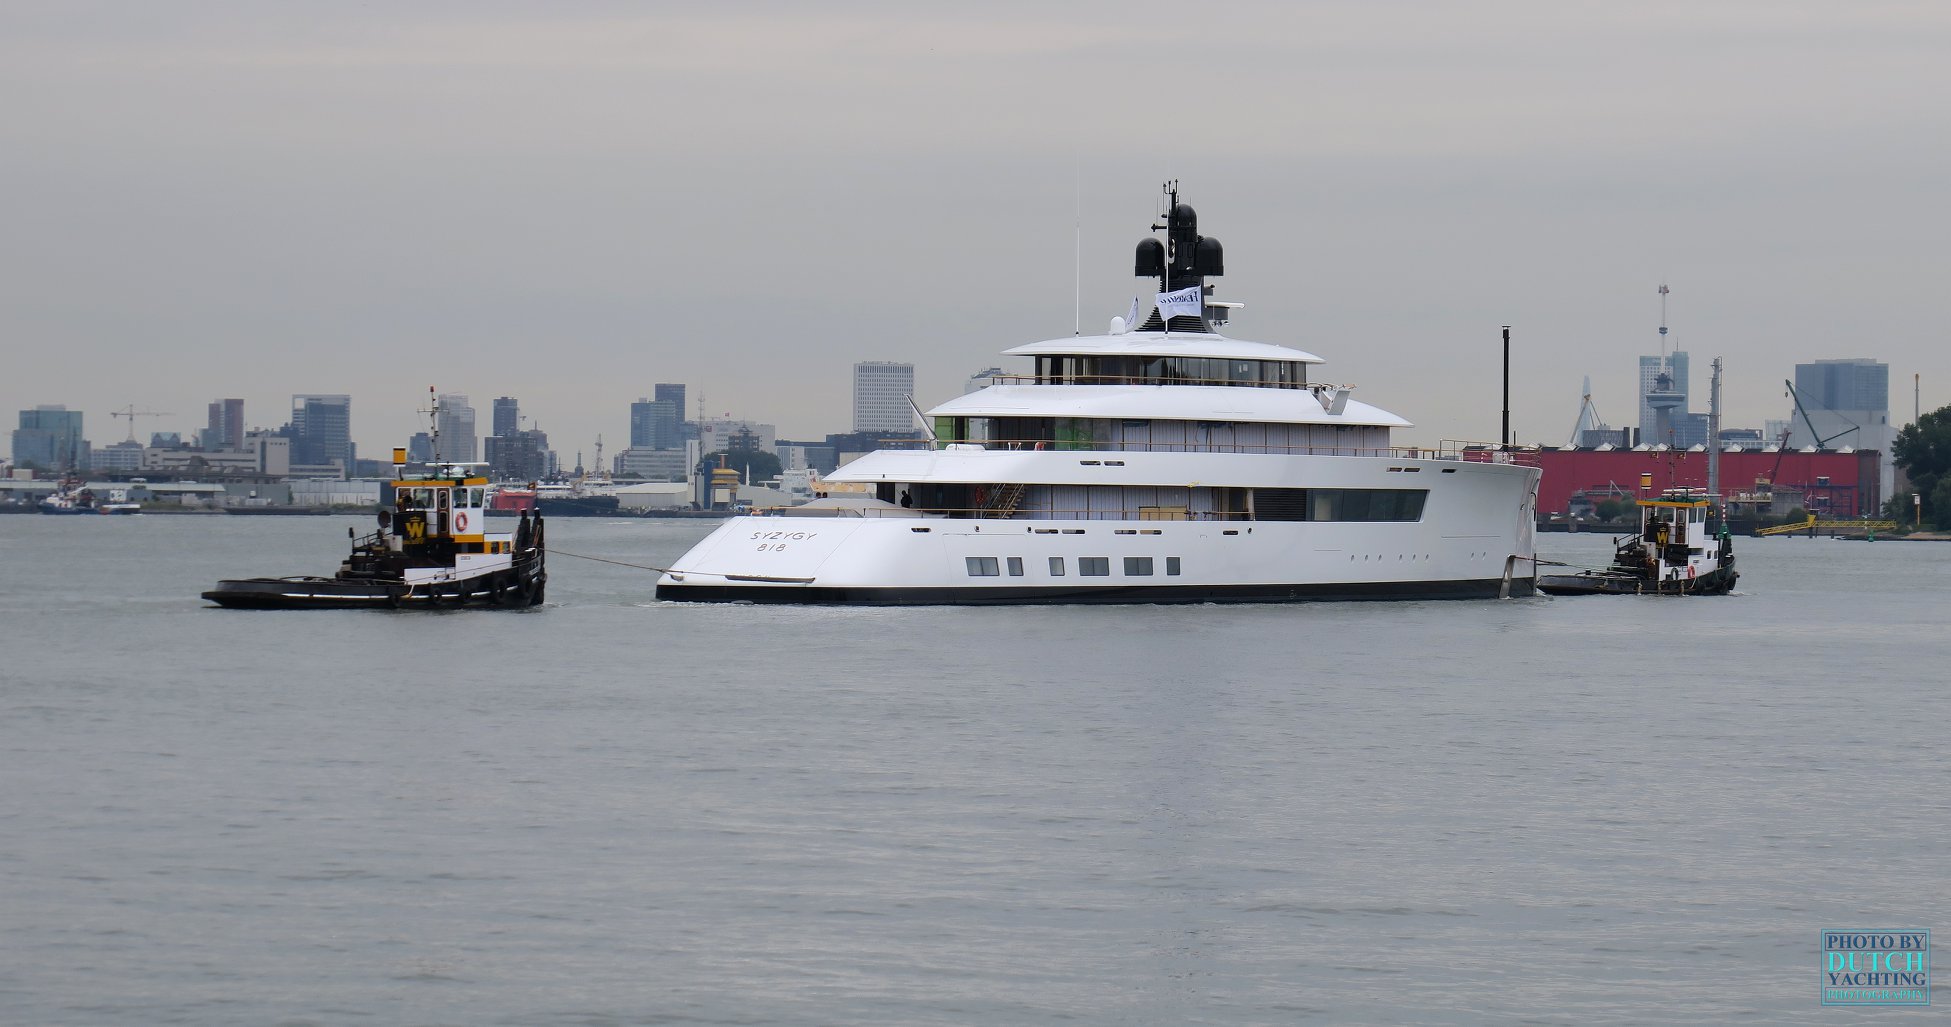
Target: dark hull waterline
507 589
1479 588
1592 583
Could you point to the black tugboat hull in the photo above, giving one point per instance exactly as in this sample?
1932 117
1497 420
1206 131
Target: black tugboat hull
507 589
1714 583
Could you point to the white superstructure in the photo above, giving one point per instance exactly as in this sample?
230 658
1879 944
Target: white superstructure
1166 463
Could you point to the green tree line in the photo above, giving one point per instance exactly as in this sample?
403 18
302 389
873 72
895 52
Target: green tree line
1923 450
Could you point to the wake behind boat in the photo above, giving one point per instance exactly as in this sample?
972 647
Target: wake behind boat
1161 462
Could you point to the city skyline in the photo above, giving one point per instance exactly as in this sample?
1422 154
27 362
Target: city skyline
1452 171
632 416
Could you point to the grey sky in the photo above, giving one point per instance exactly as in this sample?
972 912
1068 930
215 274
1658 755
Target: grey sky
569 202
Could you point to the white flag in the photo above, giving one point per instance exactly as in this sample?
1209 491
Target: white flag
1131 319
1187 301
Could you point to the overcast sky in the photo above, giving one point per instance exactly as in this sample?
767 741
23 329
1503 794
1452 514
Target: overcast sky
569 201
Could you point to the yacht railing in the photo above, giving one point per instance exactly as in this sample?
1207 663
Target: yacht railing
936 513
1473 452
1144 379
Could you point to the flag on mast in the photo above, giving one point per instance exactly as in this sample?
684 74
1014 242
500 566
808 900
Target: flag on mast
1186 301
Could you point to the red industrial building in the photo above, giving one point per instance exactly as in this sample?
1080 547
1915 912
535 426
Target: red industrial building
1833 483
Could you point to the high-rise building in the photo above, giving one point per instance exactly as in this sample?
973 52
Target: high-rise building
1849 403
226 427
1674 366
521 455
508 415
654 424
420 448
321 430
455 423
881 396
1852 384
49 438
673 393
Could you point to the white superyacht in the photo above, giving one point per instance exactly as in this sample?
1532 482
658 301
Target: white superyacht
1162 462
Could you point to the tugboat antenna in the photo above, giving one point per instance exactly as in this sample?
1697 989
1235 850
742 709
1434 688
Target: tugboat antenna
433 422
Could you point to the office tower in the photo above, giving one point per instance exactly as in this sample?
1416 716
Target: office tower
321 430
508 416
226 426
673 393
520 456
49 438
654 425
1858 384
881 396
455 423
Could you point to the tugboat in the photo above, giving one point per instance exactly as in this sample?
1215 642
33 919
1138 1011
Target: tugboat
71 498
430 550
1682 548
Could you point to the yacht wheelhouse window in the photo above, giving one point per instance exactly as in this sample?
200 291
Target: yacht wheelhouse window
1172 566
1094 566
1015 566
982 567
1056 566
1155 370
1138 566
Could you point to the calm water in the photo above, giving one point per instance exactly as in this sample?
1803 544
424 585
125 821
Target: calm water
614 811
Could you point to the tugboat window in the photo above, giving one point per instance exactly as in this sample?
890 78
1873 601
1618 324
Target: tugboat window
1015 566
1056 566
982 566
1094 566
1138 566
1171 565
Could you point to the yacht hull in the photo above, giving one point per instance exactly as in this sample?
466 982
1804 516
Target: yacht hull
1474 541
1481 588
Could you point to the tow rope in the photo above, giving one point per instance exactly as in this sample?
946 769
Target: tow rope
619 563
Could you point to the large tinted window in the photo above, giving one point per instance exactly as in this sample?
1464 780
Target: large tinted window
1339 504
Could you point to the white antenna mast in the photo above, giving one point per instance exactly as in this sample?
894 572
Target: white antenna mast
1663 362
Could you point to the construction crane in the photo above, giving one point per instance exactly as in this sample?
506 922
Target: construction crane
1781 446
1816 435
132 413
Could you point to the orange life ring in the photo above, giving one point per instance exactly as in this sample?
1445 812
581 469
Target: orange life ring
460 524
